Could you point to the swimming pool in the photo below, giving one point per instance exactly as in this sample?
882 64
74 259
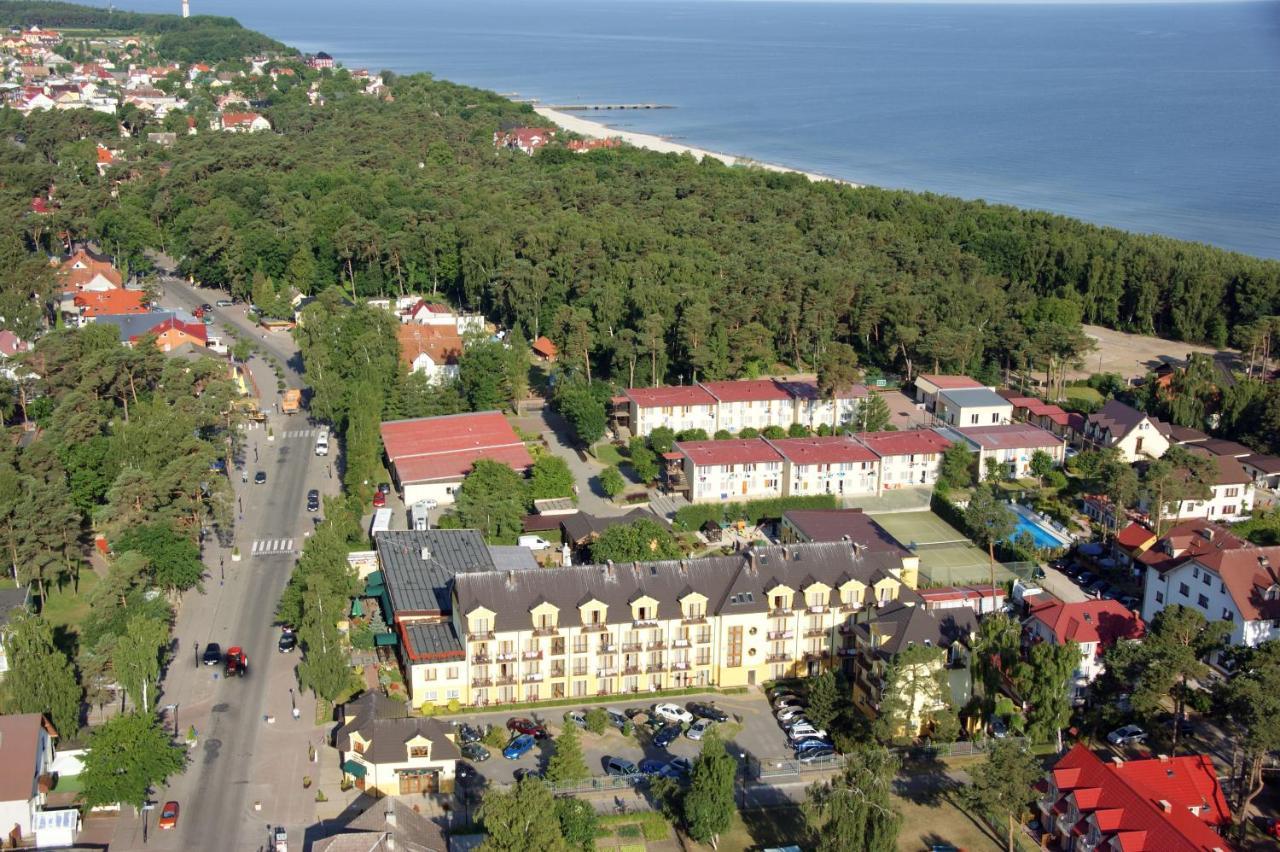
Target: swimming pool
1041 533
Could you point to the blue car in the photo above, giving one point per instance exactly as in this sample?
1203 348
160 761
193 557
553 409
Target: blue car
649 766
813 743
666 736
518 747
679 769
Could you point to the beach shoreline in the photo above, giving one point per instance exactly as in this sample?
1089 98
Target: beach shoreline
648 141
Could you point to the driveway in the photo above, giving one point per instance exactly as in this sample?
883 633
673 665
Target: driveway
559 437
754 733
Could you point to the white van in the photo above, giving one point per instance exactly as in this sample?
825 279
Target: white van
533 542
322 444
381 522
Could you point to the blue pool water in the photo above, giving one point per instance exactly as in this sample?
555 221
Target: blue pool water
1041 536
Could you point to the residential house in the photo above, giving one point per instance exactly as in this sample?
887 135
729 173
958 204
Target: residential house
1135 434
415 310
738 469
909 459
430 456
386 752
432 350
582 146
677 408
1181 543
1012 445
172 329
1156 804
90 305
13 600
320 61
385 825
83 271
477 628
812 408
1240 586
1131 542
26 753
1230 494
882 633
753 404
928 386
1264 469
523 139
241 122
11 344
544 349
983 599
838 464
972 407
1094 625
1037 412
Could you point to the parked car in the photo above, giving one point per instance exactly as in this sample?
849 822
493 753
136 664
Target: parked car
260 478
816 755
787 699
1127 735
1129 602
169 815
237 663
707 711
681 767
521 774
999 729
466 775
288 640
384 487
620 767
698 728
666 735
379 500
1185 728
223 303
673 713
475 751
206 307
651 766
1085 579
616 718
212 654
805 729
518 747
313 500
810 743
632 712
527 726
780 690
576 717
786 714
469 734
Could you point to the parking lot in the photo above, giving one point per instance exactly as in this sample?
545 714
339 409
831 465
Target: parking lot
752 732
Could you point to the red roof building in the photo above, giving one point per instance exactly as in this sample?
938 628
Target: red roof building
834 449
753 390
1162 804
982 599
95 303
430 456
913 442
581 146
525 139
1190 540
544 349
666 396
742 451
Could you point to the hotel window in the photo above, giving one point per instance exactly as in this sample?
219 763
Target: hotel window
1229 509
694 610
734 658
546 622
1184 590
1233 492
430 674
1208 581
973 419
557 647
479 625
450 694
452 674
579 688
1203 600
704 635
579 644
1159 597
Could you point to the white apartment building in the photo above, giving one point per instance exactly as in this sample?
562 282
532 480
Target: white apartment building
907 459
1094 625
753 404
838 465
677 408
735 470
973 407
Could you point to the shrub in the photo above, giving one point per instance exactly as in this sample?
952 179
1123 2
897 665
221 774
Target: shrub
612 482
1056 479
774 432
454 705
495 736
597 720
749 432
693 517
660 439
798 430
723 435
692 435
628 728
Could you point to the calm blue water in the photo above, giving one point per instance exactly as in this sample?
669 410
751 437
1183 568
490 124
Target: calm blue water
1159 118
1038 534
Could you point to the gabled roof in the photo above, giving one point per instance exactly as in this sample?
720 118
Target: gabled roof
1135 537
942 382
19 747
913 442
1190 540
428 449
904 624
1230 471
834 449
1120 419
99 303
382 722
722 453
756 390
1220 447
1264 463
1126 800
239 119
131 326
665 396
544 347
1252 578
1100 621
807 389
439 343
420 586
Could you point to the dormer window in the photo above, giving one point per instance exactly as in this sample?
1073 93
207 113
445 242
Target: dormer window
419 751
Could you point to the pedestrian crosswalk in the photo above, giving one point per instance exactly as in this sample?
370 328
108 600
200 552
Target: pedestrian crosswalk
289 433
272 547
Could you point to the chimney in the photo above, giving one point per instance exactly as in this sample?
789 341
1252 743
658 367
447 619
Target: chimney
1165 806
390 815
1163 758
786 553
425 553
1117 762
1208 533
752 567
684 568
608 569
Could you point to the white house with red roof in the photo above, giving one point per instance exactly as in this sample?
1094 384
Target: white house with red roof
929 385
751 404
735 470
677 408
523 139
972 407
1230 494
1012 445
910 459
982 599
241 122
812 408
1239 585
1160 804
1094 625
422 312
838 464
430 456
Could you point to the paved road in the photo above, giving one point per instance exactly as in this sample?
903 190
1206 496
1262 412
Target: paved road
234 764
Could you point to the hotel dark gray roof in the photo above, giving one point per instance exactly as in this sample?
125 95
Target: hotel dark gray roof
512 558
582 526
906 624
736 583
432 640
421 585
973 397
382 721
132 325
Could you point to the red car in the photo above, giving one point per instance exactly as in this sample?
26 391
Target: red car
379 500
1272 827
169 815
527 726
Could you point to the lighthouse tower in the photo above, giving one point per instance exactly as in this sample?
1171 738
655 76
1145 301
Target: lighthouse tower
186 8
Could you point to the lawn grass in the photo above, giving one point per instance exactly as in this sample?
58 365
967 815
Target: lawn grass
760 829
1083 393
607 453
68 607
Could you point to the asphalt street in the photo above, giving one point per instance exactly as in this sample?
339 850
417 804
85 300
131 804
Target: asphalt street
250 753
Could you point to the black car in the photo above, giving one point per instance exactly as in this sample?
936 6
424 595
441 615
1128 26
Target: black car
666 735
384 488
212 654
313 500
521 774
206 307
707 711
288 640
469 734
1085 579
632 712
260 478
476 752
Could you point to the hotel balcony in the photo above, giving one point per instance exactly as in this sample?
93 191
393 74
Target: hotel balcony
778 658
816 632
546 631
815 655
533 677
507 680
632 647
658 646
532 655
631 670
679 666
580 672
506 658
775 635
697 619
480 659
594 628
819 608
607 649
642 625
558 672
481 681
779 613
680 643
656 669
486 636
606 672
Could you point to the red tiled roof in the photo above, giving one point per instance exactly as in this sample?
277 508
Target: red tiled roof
737 451
192 329
1135 536
1248 574
97 302
661 397
1102 621
836 449
1190 540
951 382
544 347
1126 800
746 391
444 448
89 267
440 343
914 442
1010 436
233 119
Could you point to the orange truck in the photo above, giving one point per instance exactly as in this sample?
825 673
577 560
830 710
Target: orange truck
291 402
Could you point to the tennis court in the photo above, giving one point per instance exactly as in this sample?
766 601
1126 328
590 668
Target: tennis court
946 556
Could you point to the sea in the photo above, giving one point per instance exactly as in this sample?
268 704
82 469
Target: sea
1152 117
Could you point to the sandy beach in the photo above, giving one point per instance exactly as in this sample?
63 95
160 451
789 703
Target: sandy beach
597 130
